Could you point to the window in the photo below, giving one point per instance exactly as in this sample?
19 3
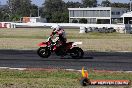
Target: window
113 13
71 13
123 12
90 13
85 13
117 13
104 13
78 13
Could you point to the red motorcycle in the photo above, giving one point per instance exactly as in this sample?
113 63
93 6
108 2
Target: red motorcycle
49 47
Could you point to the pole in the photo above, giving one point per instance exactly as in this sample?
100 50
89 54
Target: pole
38 11
130 5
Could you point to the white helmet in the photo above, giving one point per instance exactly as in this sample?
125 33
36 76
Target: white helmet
56 27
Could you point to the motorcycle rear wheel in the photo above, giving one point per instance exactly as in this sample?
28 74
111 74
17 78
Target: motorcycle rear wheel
43 52
77 53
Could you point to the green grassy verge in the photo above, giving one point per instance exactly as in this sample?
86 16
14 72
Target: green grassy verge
71 34
29 38
53 78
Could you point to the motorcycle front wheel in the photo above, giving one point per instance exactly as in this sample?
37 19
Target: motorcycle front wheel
43 52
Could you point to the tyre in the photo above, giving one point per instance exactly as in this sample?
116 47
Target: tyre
77 53
43 52
85 82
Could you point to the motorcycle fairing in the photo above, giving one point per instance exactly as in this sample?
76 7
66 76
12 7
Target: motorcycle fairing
76 43
42 44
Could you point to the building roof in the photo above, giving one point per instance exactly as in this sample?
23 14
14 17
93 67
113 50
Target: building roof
96 8
128 14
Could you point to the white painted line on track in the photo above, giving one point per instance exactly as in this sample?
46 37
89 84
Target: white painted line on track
22 69
4 67
13 68
125 51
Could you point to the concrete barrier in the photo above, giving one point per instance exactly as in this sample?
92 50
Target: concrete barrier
121 28
5 24
82 30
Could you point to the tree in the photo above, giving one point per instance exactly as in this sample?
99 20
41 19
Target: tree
120 5
56 18
1 16
4 16
106 3
19 8
73 5
52 8
89 3
34 10
15 17
65 17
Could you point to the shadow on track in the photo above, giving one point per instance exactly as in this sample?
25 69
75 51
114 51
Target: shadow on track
98 60
87 54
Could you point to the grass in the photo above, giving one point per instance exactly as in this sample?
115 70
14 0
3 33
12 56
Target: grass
37 79
71 34
53 78
29 38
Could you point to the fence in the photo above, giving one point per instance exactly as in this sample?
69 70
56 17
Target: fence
121 28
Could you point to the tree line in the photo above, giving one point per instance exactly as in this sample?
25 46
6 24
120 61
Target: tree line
53 10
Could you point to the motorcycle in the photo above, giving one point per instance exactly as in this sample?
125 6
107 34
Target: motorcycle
69 48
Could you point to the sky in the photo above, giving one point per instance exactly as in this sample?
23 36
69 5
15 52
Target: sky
39 2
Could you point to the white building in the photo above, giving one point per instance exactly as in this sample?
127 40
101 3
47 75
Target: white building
127 18
97 15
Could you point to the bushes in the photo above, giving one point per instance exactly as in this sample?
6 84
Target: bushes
74 21
83 20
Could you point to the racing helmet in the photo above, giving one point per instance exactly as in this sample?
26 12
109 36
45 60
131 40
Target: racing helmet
56 28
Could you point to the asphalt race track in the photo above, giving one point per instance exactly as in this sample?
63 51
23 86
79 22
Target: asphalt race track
114 61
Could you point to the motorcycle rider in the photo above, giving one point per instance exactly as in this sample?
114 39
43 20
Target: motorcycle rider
60 35
60 38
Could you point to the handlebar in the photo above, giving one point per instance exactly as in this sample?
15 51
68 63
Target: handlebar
49 39
53 41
